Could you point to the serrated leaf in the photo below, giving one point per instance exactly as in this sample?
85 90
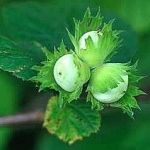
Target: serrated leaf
19 59
72 122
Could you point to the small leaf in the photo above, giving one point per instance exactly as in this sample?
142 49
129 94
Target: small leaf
72 122
19 59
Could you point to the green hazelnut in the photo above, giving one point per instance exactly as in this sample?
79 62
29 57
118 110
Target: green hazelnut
70 72
109 82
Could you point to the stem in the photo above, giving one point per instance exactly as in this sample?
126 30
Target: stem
23 118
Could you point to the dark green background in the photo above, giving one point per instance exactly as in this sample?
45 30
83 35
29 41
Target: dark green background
118 131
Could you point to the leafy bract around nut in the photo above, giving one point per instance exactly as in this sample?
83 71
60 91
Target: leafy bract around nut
64 72
94 35
93 42
114 84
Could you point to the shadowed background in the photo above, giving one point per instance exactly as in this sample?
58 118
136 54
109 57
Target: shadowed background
118 131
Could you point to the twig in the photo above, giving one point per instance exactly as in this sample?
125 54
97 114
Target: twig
23 118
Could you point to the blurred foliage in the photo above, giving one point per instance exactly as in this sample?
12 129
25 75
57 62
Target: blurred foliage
136 12
143 55
9 99
118 131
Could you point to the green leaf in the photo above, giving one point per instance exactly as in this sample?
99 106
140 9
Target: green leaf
18 59
72 122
